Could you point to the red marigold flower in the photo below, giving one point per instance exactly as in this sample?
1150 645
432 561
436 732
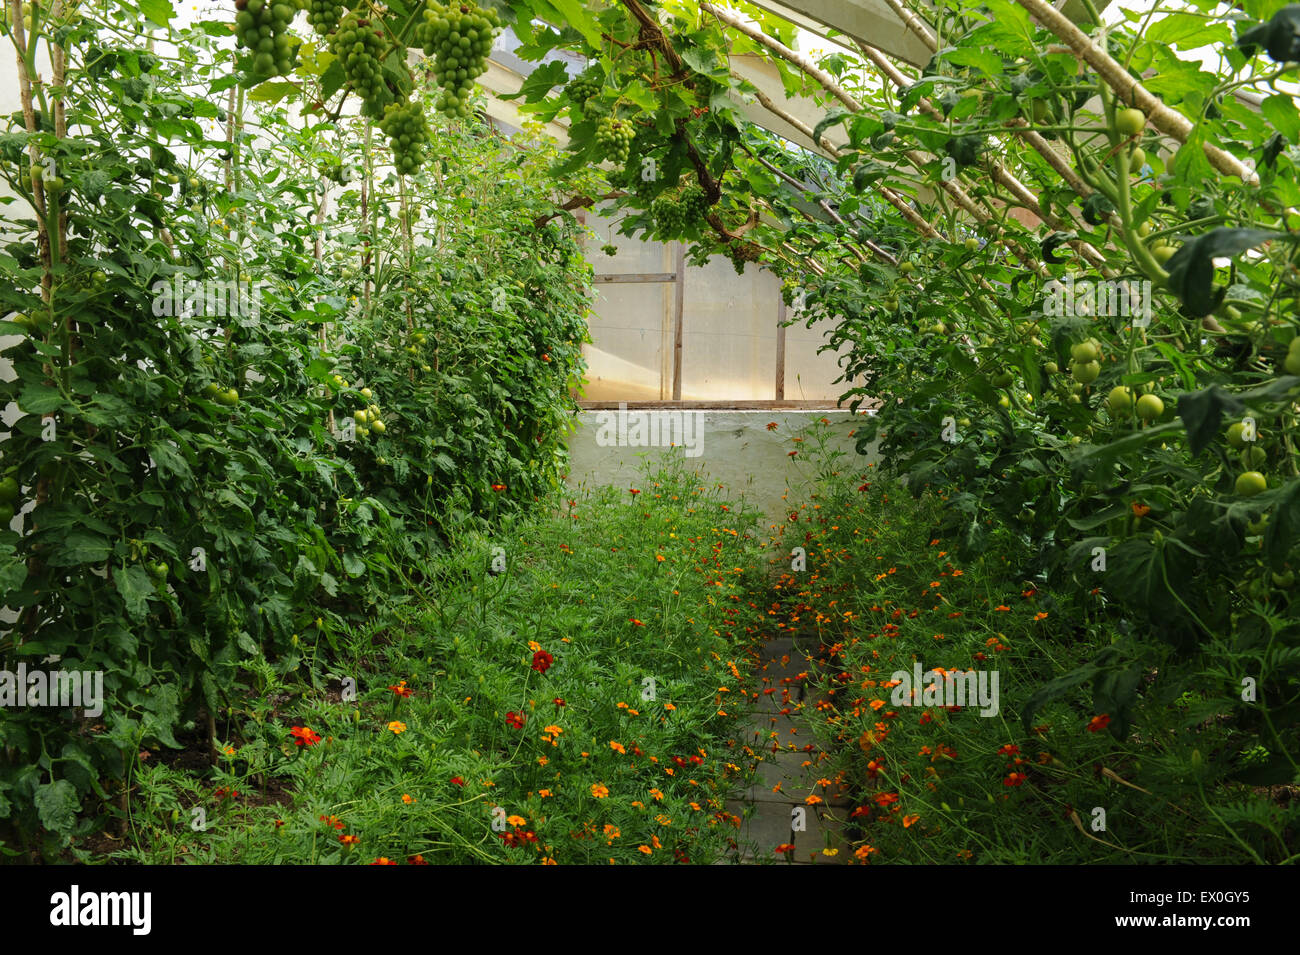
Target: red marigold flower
772 426
498 487
633 491
1008 750
542 661
1014 779
349 841
457 781
383 861
784 848
515 720
304 736
416 860
1098 722
558 701
400 689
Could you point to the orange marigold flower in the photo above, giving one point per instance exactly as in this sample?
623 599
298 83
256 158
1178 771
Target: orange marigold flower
1140 510
646 849
617 747
400 689
599 790
304 736
1098 722
408 798
908 820
349 841
397 726
516 820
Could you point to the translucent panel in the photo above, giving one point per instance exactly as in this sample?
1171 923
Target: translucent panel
629 354
810 376
729 333
729 329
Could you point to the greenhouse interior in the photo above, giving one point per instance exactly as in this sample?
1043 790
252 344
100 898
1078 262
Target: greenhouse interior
555 432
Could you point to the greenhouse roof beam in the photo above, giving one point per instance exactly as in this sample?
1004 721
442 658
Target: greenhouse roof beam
870 21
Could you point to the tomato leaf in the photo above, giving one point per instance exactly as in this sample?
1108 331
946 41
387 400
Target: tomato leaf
1202 413
1191 269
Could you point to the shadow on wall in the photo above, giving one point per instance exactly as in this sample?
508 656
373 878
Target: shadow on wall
739 449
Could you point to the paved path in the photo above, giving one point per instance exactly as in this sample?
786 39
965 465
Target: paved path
780 734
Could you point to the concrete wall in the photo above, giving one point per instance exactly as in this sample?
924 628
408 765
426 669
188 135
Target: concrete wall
735 448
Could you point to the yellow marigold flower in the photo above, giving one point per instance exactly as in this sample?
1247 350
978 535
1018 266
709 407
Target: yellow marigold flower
553 730
599 791
397 726
549 861
516 820
830 852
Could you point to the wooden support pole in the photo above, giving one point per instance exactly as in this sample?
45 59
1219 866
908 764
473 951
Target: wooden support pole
679 301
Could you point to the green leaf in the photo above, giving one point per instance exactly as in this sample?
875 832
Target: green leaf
832 118
1202 413
1191 269
80 547
1284 526
57 806
272 92
1187 32
159 11
1282 115
135 586
574 14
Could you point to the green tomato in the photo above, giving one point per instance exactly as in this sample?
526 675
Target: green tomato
8 491
1250 483
1236 435
1254 458
1085 352
1120 401
1137 159
1003 379
1130 122
1085 372
1163 253
1292 362
1051 368
1150 407
1004 402
907 268
972 244
378 427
